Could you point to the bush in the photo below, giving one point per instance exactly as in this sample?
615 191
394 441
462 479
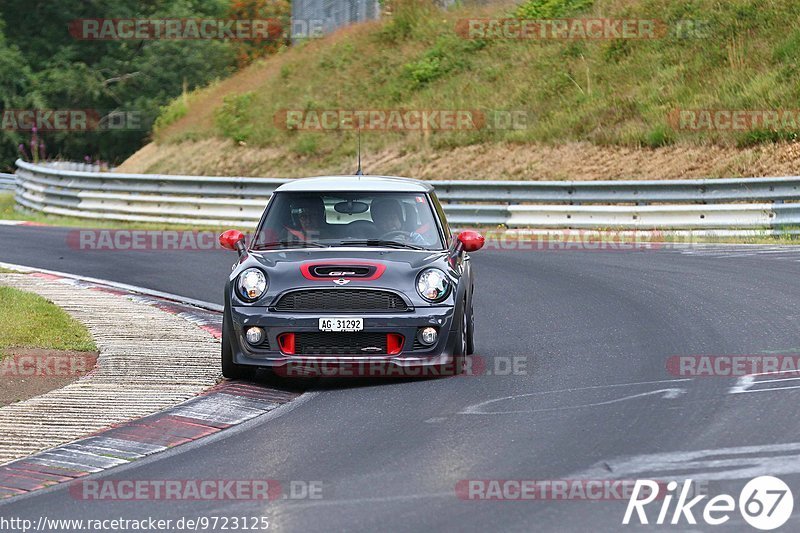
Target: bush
543 9
171 113
306 145
234 117
449 53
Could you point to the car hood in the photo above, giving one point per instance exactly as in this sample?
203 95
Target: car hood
392 269
413 258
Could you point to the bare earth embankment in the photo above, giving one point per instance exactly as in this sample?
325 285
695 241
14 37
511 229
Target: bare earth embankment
583 108
579 161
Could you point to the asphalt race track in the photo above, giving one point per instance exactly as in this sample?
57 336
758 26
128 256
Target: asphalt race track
594 330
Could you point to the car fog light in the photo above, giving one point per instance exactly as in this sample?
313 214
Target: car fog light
254 335
428 336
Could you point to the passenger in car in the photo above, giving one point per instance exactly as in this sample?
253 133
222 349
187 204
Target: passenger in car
387 214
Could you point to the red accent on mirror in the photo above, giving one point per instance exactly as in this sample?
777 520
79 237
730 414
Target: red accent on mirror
470 240
228 239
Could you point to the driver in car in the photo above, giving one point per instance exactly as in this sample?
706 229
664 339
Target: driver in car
310 217
387 214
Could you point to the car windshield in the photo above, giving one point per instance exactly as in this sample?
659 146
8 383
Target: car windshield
313 219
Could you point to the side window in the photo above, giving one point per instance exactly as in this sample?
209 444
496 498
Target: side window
442 218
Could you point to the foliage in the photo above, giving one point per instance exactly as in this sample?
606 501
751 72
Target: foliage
405 17
16 92
171 112
544 9
733 55
449 53
42 66
277 13
233 118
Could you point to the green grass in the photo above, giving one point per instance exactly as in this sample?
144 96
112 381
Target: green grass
9 211
786 239
29 321
737 54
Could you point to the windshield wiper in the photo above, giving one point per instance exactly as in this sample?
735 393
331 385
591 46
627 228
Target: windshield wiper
381 242
265 245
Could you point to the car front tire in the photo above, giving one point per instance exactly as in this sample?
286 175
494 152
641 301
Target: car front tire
462 343
471 327
230 369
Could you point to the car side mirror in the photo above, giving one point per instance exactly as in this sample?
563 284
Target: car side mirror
232 240
471 241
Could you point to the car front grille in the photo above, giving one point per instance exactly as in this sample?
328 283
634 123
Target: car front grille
346 300
323 343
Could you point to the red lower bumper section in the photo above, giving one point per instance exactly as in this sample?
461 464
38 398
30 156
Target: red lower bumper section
315 344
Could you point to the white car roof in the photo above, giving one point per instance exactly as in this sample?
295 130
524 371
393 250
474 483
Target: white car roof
355 183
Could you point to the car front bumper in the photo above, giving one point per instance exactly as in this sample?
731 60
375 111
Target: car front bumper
405 323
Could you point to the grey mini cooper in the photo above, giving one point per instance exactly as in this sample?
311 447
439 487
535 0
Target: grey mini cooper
354 275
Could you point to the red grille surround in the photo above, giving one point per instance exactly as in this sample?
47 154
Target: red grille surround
351 270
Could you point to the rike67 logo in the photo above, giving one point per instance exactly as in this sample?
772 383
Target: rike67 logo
765 503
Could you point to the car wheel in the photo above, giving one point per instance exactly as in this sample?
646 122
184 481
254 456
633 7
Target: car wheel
460 352
230 369
471 328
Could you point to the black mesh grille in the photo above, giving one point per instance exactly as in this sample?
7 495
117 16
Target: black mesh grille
418 345
313 343
341 300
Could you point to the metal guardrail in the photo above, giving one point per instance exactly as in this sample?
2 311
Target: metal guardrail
7 181
83 191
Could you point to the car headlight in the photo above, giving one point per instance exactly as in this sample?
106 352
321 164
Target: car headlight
433 285
252 284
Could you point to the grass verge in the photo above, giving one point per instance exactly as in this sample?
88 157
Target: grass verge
29 321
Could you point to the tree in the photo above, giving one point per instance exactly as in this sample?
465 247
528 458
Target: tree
42 66
277 12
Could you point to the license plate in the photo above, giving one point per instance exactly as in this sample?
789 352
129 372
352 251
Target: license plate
341 324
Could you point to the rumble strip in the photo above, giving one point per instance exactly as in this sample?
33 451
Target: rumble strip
158 360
